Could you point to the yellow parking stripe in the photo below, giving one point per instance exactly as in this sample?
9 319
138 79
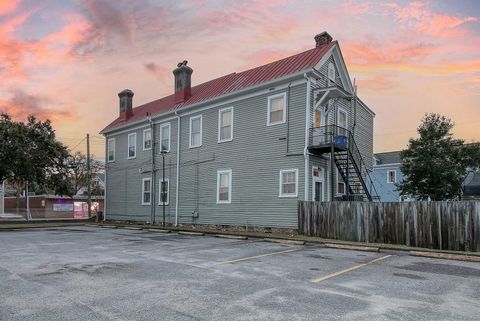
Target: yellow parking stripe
256 256
326 277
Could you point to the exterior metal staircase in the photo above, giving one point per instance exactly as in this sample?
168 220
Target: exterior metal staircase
347 158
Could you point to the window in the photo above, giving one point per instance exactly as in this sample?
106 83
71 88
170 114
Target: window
132 145
318 118
111 150
146 191
196 131
340 184
225 125
147 139
165 137
276 109
164 192
342 122
288 183
224 186
392 176
331 74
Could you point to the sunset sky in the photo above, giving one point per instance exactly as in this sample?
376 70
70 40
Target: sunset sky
67 59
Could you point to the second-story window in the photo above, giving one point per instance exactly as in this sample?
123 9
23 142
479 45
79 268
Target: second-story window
111 150
196 131
276 109
392 177
147 139
132 145
225 124
165 137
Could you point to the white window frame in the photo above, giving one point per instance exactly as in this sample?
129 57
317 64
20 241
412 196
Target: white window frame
220 172
201 131
169 136
151 138
109 143
331 67
143 190
339 182
160 191
270 98
280 183
394 177
128 145
220 112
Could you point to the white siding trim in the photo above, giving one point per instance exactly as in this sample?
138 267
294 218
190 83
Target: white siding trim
143 190
151 138
229 172
284 117
128 145
201 131
160 191
280 183
109 144
169 136
220 111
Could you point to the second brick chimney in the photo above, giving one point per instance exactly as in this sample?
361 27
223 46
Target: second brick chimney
183 82
126 103
322 38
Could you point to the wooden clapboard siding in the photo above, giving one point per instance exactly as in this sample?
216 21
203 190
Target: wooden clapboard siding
436 225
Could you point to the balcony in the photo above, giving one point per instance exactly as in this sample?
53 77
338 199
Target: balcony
326 139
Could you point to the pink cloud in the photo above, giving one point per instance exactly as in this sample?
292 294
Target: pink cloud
8 6
419 17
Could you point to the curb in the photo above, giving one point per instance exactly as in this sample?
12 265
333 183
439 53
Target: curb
444 256
234 237
284 241
158 230
351 247
131 228
191 233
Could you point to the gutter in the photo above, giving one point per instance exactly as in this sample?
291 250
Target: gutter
178 168
307 124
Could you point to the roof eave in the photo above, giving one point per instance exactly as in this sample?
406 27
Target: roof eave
243 91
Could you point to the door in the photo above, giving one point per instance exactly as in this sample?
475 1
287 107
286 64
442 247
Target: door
317 185
318 131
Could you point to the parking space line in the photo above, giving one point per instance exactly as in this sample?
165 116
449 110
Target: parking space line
329 276
257 256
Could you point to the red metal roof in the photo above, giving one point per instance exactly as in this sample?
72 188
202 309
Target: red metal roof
230 83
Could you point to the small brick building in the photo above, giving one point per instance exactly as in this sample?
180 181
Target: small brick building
53 206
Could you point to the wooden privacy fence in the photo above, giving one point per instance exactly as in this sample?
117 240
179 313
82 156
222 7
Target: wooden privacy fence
436 225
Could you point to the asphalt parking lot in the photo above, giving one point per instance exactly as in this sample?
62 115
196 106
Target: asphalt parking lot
88 273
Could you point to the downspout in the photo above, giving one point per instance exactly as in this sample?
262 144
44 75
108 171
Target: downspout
307 124
354 107
178 168
105 189
152 197
288 115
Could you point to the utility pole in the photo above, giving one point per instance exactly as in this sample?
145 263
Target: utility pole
27 200
89 192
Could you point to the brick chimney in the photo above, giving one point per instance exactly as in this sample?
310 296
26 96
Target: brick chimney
126 96
183 82
322 39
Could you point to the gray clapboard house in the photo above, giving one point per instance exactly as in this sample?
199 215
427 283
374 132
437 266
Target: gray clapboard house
242 149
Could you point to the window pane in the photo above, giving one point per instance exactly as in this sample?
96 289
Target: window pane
195 139
146 197
277 104
225 132
146 185
226 118
342 119
196 125
289 182
223 195
276 116
164 192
